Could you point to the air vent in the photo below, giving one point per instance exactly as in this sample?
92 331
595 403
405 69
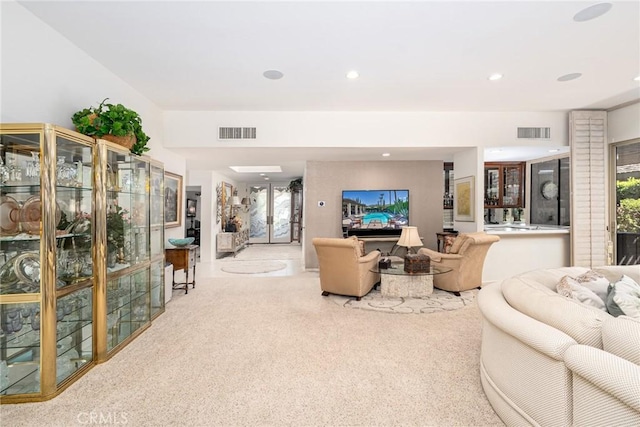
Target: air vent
534 133
236 133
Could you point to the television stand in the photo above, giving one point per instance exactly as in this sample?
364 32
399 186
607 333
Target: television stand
393 250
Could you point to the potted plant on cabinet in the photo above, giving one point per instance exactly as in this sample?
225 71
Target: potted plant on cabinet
115 123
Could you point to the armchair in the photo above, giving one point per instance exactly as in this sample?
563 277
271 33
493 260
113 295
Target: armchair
344 270
466 258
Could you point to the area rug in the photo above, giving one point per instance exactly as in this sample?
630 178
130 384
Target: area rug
253 267
438 301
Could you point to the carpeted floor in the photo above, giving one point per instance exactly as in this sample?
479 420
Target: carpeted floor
438 301
271 351
252 267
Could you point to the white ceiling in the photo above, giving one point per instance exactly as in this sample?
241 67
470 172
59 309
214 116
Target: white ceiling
411 56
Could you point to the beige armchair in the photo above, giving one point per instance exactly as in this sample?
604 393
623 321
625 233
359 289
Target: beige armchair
466 258
344 270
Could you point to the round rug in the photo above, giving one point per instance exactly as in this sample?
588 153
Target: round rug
438 301
253 267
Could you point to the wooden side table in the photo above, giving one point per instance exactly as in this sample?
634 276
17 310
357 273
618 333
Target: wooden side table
183 258
441 237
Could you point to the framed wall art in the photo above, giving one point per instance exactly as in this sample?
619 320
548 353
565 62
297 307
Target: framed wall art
172 200
464 199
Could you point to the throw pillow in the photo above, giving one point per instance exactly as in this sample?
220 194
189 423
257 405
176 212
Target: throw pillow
595 282
571 288
448 242
624 298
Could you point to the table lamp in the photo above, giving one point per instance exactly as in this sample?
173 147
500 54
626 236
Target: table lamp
410 238
413 263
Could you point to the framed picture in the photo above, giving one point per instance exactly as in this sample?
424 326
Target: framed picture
192 205
464 199
172 200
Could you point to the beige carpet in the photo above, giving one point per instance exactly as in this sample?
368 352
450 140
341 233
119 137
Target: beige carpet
252 267
248 351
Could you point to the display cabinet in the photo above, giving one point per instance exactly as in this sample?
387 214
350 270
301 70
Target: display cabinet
134 224
156 214
47 260
81 255
504 185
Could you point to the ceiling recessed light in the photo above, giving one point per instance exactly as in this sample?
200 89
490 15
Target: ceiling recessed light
637 79
273 74
495 76
353 74
568 77
386 154
592 12
266 178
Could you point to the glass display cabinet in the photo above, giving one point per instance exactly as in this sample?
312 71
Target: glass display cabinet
134 225
156 214
81 255
47 260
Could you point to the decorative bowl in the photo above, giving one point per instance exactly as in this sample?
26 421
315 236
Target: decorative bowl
182 242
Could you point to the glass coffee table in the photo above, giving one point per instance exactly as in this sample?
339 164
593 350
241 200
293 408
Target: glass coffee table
395 282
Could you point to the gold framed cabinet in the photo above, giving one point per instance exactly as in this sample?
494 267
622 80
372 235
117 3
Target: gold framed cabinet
81 255
134 250
48 260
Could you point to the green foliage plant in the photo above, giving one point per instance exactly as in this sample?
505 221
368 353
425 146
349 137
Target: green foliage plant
117 225
113 119
628 189
628 216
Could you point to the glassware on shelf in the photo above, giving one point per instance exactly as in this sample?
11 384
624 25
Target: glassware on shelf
66 173
9 216
4 172
32 170
15 171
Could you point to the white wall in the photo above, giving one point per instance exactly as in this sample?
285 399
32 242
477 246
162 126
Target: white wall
363 129
471 163
45 79
624 123
209 228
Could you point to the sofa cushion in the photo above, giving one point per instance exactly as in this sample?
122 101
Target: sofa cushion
571 288
527 295
457 243
595 282
624 298
621 336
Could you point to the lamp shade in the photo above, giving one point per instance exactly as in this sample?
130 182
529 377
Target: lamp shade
235 201
246 201
409 237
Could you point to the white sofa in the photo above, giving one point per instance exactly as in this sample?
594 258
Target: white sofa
547 360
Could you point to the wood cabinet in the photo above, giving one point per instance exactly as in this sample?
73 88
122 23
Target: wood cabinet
504 185
231 242
183 258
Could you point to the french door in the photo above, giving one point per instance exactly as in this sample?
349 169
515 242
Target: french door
626 162
270 213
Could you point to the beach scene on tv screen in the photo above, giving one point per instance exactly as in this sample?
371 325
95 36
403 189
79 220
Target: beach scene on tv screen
375 209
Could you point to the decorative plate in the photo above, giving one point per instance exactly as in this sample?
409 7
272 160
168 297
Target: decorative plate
9 216
31 215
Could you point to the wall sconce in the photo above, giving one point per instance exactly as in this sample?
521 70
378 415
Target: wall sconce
246 202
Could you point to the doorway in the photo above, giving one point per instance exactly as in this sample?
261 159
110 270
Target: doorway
270 213
626 167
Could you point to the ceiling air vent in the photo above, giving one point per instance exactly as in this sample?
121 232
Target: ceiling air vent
534 133
236 133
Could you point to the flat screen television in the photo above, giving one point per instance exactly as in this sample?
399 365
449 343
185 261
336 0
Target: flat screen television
374 212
